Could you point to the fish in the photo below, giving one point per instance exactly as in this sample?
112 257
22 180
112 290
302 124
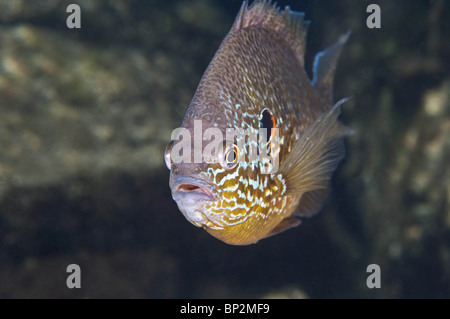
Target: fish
257 82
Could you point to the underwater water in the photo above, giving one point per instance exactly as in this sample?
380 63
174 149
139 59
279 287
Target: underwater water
85 115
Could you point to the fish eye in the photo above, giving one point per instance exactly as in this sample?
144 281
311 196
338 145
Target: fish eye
267 121
167 152
230 157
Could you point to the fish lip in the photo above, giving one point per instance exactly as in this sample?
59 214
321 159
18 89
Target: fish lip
199 189
190 194
204 222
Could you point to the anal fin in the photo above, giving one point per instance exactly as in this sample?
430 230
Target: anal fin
285 224
311 202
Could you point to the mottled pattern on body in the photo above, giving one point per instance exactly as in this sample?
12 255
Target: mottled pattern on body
259 66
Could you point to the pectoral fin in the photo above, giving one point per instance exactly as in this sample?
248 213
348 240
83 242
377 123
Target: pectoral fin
316 154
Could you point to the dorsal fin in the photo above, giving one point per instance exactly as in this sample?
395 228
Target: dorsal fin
324 67
290 24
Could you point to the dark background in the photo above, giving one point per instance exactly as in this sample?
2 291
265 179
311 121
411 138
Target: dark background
85 115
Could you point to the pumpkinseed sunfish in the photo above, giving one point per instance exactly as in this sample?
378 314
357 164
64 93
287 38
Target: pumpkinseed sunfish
256 83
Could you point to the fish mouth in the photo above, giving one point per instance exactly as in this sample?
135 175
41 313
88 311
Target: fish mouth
192 187
191 195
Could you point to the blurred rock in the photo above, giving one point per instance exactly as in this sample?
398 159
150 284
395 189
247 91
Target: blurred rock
85 115
19 10
70 106
111 275
397 170
287 293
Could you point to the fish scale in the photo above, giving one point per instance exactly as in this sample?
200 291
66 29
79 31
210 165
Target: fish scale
258 67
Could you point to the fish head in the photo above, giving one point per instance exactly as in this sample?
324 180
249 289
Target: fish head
193 196
198 180
225 191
